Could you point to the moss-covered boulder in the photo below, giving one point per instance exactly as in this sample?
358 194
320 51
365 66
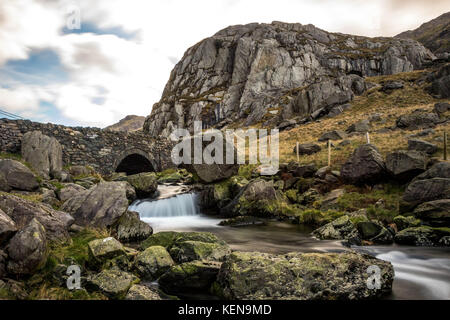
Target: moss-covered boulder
195 276
153 262
112 283
101 250
175 176
374 232
313 276
340 229
421 236
140 292
406 222
164 239
145 184
130 228
436 213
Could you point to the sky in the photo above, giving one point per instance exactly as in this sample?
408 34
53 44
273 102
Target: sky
91 63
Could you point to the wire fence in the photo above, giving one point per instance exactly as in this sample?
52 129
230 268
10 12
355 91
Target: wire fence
9 115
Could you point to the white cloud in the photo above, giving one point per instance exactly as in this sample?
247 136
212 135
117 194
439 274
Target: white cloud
110 77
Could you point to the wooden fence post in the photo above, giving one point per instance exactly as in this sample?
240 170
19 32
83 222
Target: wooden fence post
329 153
368 137
445 146
298 151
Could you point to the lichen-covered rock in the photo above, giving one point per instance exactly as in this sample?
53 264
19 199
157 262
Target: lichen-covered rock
27 250
56 223
423 146
274 72
130 228
418 120
113 283
365 166
140 292
164 239
153 262
100 206
436 212
195 276
7 227
145 184
339 229
403 223
70 190
44 153
421 236
185 251
406 164
295 276
17 176
101 250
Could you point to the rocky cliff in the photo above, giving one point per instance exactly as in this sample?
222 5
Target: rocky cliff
271 73
435 34
128 124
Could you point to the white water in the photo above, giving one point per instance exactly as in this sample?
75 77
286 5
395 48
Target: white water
172 210
420 273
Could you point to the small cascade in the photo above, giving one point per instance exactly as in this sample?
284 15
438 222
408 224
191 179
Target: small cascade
181 205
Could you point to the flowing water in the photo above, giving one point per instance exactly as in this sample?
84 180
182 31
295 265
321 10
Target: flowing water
420 273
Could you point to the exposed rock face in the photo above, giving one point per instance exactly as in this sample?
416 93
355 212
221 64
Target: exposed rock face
16 176
100 206
7 227
440 82
43 153
434 34
130 228
365 166
297 276
22 212
128 124
273 72
27 250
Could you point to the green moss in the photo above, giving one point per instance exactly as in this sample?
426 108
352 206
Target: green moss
246 171
163 239
314 217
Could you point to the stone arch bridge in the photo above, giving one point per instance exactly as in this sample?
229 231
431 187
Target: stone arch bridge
105 151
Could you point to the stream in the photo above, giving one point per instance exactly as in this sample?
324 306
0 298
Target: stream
421 273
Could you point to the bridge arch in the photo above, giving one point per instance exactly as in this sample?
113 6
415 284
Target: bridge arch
135 161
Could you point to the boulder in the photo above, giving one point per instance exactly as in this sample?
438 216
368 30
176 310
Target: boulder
195 276
3 263
153 262
27 250
130 228
112 283
101 250
403 223
100 206
439 170
305 171
296 276
441 108
333 135
164 239
436 212
365 166
69 190
145 184
405 165
80 171
308 149
331 198
7 227
374 232
43 153
420 236
421 191
391 85
340 229
139 292
17 176
422 146
56 223
440 82
418 120
362 126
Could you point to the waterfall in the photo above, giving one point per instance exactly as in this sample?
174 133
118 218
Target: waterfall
181 205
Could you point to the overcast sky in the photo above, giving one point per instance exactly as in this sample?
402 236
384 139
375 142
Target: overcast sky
119 61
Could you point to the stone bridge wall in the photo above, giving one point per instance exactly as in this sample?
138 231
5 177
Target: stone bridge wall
103 150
